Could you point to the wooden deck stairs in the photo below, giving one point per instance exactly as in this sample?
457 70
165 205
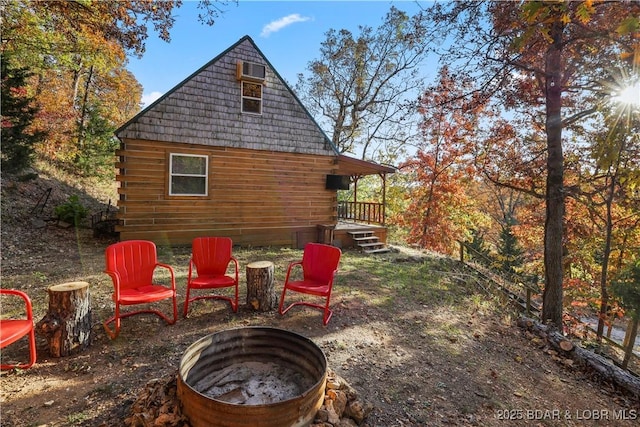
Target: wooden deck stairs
368 242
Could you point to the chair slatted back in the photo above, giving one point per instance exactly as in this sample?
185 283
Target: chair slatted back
211 255
319 261
133 260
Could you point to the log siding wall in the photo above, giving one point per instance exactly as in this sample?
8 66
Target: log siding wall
267 172
256 197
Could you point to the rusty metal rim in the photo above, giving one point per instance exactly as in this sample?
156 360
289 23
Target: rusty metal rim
254 338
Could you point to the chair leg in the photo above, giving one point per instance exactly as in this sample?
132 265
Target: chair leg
284 291
32 354
234 306
117 318
175 309
232 301
283 311
113 333
32 348
327 313
186 304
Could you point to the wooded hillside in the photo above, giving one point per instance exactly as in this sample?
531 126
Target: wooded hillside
527 142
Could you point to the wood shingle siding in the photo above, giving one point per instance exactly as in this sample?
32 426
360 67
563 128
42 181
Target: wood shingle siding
205 109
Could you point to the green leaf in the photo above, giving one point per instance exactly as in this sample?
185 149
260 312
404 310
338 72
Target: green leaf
629 25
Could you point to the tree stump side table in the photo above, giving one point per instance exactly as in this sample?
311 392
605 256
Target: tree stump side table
67 324
261 294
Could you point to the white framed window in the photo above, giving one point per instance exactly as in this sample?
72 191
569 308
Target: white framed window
251 97
188 174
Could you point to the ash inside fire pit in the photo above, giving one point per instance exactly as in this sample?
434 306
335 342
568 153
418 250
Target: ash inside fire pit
254 383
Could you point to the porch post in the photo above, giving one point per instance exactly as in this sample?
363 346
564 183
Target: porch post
354 211
384 197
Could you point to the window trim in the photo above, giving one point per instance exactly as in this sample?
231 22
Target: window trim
243 97
205 175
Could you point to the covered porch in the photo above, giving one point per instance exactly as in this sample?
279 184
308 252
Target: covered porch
361 222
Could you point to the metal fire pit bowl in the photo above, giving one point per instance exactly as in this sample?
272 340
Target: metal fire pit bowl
252 377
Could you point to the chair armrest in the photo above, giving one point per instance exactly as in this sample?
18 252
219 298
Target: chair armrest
191 264
235 262
115 277
171 272
333 276
25 298
291 266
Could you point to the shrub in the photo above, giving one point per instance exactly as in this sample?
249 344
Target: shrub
72 211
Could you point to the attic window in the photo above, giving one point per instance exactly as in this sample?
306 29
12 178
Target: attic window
251 97
188 175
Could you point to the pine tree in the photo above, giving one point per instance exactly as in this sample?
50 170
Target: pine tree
626 286
17 114
510 254
478 248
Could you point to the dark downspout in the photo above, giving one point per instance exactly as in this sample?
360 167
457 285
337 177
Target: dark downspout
384 197
355 179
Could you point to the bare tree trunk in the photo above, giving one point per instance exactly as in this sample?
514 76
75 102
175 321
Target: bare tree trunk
630 341
83 112
553 230
604 297
76 81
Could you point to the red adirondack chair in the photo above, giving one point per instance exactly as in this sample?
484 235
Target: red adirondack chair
11 330
210 259
319 267
131 265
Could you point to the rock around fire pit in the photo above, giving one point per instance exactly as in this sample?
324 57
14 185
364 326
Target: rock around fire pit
249 377
157 405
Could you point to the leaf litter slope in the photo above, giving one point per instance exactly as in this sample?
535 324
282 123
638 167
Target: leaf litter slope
412 333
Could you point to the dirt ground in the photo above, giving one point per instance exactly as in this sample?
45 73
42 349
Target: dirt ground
424 346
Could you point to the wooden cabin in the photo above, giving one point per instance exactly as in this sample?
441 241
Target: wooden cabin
230 151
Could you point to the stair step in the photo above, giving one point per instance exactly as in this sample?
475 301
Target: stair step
377 251
368 242
361 239
368 245
361 233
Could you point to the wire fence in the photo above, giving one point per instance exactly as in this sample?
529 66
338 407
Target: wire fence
525 292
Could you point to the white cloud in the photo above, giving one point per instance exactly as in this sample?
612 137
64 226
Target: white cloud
148 98
279 24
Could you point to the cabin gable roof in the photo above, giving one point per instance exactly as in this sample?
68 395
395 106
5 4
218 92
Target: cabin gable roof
205 109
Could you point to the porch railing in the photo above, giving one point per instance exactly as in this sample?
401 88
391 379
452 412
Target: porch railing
371 213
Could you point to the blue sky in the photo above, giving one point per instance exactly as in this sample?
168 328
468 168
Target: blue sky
289 33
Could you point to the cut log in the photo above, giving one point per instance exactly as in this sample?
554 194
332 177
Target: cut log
67 324
566 345
261 294
606 368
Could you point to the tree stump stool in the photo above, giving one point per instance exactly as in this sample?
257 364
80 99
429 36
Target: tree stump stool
261 294
67 324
